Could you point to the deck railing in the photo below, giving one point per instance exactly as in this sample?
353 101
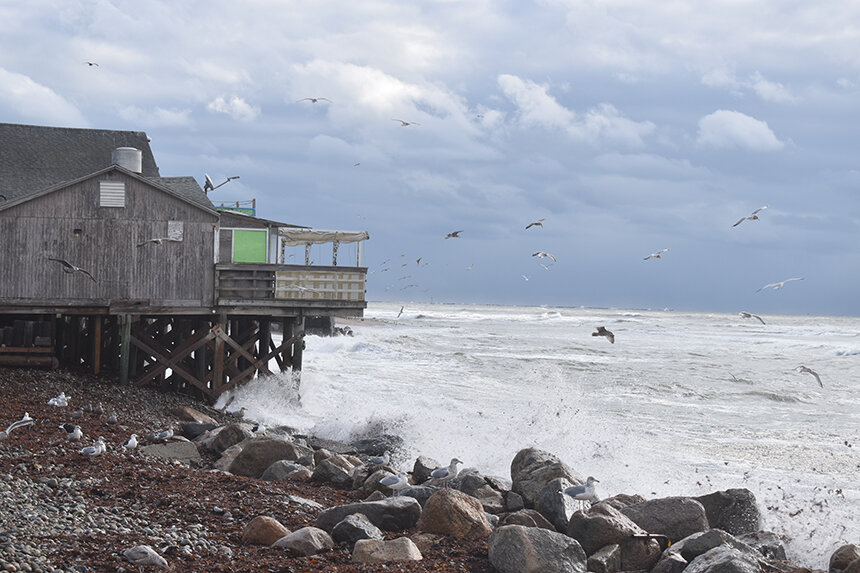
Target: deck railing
290 285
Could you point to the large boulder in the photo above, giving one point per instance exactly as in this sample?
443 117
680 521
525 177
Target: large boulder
335 469
420 492
604 525
843 557
354 528
378 445
674 517
192 430
484 489
390 514
698 544
767 543
306 541
379 551
528 518
723 559
258 454
282 470
263 530
182 451
422 467
518 549
733 510
532 469
226 436
454 513
189 414
606 560
556 506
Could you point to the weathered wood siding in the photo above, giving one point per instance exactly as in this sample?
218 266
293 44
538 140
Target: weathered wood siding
172 274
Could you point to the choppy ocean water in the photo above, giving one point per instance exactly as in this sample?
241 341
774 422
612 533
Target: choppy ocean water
681 404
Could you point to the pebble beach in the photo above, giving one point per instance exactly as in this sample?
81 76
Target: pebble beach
63 511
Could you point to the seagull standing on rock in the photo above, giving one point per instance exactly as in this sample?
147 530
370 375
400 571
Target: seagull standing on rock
380 460
582 492
395 483
444 475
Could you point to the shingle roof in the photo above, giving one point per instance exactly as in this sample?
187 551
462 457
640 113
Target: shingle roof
186 187
33 157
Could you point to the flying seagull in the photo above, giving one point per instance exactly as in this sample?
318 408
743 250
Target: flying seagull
399 313
454 234
25 420
806 370
210 186
71 269
601 331
160 240
91 64
405 123
314 99
751 217
544 255
779 285
538 223
745 314
657 255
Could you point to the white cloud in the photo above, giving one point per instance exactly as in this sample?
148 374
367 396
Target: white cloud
155 117
770 91
726 129
37 103
536 106
765 89
235 107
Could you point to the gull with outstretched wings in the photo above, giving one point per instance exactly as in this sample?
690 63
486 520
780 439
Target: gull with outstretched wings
779 285
71 269
657 255
751 217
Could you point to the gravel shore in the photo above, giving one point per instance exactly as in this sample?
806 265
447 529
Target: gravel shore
63 511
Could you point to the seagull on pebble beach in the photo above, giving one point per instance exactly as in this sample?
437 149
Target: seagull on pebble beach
806 370
745 314
96 449
73 432
601 331
657 255
751 217
25 420
582 492
131 443
144 555
112 419
60 401
380 460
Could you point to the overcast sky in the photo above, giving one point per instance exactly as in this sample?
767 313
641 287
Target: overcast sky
629 126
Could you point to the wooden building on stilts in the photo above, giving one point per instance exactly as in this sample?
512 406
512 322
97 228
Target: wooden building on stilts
111 268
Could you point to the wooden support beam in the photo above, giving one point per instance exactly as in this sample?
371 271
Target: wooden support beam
97 344
124 348
166 359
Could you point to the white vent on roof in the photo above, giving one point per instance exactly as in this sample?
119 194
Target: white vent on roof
129 158
111 194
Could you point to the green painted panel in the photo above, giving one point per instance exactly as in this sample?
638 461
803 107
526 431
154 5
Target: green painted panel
249 246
